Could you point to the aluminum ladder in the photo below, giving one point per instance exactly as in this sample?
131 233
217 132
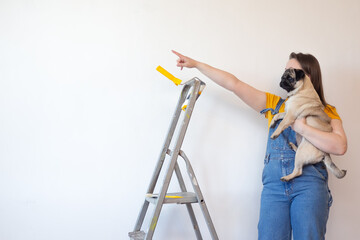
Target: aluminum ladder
189 94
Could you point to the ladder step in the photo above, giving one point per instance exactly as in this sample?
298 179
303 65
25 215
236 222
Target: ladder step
138 235
179 198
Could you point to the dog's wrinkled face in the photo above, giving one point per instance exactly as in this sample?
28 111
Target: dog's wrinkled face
291 78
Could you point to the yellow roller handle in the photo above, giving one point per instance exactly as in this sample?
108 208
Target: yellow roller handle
168 75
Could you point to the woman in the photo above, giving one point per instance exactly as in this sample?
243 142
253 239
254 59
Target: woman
299 207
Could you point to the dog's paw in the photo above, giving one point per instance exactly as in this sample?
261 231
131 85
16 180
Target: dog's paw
274 136
343 173
284 179
293 146
273 123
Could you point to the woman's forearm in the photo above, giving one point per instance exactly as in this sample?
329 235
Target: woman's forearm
223 78
334 142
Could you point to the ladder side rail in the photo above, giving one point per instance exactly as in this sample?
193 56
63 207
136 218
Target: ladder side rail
141 216
188 205
162 156
168 139
173 159
200 197
172 128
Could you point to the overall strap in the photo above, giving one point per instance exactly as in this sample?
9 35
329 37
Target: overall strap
279 105
279 148
277 108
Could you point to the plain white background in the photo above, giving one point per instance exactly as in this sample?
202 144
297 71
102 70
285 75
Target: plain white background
84 113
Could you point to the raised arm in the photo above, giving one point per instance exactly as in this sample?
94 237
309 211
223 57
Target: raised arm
253 97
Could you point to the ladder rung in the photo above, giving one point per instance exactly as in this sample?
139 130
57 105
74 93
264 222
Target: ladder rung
179 198
137 235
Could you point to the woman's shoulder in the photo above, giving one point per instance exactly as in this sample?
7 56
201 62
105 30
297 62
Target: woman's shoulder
271 100
331 112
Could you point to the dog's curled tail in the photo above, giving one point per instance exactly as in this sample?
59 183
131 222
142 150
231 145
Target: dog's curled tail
333 168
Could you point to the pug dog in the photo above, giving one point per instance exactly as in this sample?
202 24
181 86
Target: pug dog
303 102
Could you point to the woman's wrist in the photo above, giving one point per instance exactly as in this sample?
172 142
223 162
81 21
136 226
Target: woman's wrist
199 65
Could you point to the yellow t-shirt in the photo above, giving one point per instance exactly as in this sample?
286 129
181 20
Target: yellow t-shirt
272 100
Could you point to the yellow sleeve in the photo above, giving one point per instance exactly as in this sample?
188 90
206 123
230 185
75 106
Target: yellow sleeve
331 112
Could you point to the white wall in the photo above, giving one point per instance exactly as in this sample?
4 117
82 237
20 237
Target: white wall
83 113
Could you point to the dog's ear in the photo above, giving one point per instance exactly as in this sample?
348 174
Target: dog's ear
300 74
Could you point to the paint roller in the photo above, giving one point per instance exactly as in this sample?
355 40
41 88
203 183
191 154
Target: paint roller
177 82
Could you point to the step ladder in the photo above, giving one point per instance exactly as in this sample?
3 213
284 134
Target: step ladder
189 94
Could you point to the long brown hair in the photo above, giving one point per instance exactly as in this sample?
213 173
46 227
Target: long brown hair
311 67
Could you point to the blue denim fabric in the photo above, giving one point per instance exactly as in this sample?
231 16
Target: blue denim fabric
299 207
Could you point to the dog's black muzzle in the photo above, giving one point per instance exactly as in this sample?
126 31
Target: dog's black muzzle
287 83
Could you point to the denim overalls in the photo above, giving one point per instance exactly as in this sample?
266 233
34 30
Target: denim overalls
300 206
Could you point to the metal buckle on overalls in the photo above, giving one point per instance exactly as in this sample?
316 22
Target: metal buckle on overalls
267 158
